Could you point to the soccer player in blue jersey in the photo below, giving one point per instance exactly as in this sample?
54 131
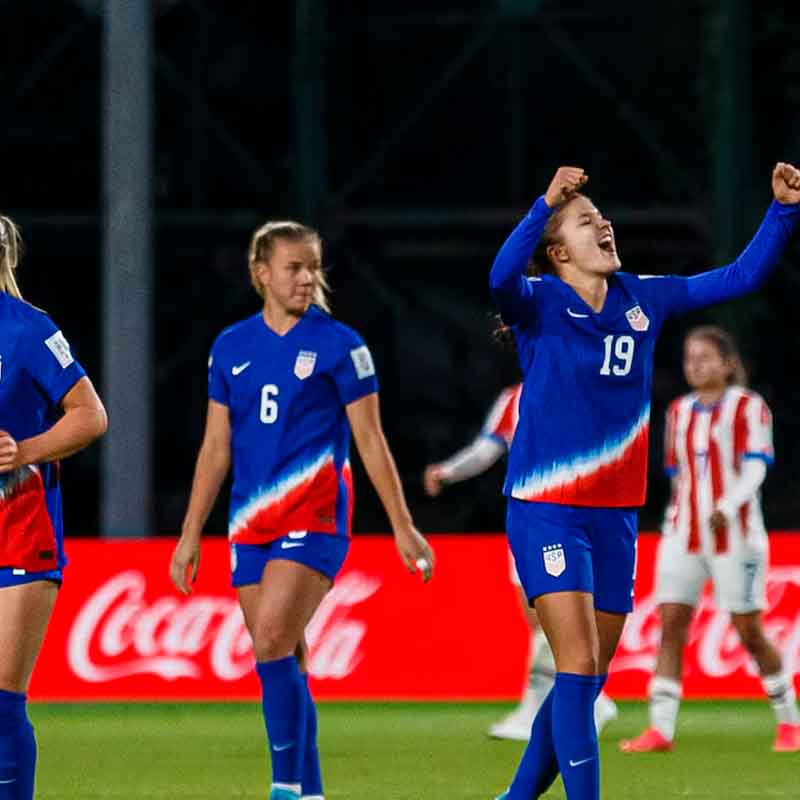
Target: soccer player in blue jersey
585 334
286 388
48 410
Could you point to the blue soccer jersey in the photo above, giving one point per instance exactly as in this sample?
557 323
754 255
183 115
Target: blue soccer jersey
582 436
290 438
36 370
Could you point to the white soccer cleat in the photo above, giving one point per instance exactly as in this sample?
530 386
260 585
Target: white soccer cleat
515 726
605 710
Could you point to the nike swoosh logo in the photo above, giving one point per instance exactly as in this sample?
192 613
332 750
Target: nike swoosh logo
582 761
240 368
576 315
287 545
278 747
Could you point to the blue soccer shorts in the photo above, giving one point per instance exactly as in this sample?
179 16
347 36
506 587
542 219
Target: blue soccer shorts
16 577
562 548
323 552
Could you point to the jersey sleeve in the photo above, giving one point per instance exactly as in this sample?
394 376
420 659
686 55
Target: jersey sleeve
501 421
218 388
753 430
354 370
513 292
670 443
678 295
50 361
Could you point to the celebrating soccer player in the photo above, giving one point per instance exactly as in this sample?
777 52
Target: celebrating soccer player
585 334
286 387
717 449
478 456
48 411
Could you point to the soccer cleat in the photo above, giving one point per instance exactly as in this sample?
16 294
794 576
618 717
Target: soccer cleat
651 741
283 794
605 711
502 796
787 738
516 725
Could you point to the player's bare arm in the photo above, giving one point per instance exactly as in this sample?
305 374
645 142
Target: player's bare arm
213 463
84 420
365 422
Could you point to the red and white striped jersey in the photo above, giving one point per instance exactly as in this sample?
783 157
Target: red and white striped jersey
704 450
501 422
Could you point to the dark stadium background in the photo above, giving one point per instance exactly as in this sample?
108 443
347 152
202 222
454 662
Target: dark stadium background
437 124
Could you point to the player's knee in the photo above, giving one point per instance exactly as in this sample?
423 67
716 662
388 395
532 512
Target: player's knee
273 639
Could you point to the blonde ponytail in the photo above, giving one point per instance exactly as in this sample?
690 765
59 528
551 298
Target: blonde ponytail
10 250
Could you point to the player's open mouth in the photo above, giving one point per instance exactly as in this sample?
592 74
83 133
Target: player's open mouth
606 243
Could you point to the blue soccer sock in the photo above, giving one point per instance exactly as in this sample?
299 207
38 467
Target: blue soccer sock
311 776
17 748
575 735
284 694
539 766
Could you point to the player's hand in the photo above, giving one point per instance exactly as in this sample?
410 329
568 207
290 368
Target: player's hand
185 557
718 521
786 183
8 452
415 551
565 183
433 480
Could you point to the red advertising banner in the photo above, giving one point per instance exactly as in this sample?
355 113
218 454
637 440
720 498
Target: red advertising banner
120 632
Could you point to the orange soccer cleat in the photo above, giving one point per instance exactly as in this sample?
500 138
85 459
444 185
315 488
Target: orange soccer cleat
651 741
787 738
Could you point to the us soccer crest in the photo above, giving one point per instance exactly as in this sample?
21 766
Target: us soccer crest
637 319
304 364
554 560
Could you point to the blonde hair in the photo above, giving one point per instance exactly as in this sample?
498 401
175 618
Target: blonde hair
262 244
10 251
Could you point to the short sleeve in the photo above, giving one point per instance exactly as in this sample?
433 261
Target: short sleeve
501 422
354 370
50 361
753 429
218 389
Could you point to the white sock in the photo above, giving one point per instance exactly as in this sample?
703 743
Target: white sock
665 700
780 691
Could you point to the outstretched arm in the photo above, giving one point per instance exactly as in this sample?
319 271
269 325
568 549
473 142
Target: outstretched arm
472 460
758 259
511 291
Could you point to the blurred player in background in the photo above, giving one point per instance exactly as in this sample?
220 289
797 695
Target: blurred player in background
48 411
286 387
717 449
585 335
480 455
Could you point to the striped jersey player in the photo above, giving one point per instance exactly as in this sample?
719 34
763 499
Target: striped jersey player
585 334
718 445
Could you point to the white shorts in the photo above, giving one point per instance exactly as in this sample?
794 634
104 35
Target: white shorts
739 576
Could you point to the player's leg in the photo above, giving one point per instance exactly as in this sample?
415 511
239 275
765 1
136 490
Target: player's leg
277 610
311 777
679 580
740 583
24 613
553 556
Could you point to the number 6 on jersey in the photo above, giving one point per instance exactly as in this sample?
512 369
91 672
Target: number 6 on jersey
622 351
269 407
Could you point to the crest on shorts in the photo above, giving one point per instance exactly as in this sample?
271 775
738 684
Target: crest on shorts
637 319
304 364
554 560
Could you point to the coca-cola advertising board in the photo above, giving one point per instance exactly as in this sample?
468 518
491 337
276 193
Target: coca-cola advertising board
121 632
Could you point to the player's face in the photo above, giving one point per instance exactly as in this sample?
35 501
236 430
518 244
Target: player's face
587 239
291 274
704 366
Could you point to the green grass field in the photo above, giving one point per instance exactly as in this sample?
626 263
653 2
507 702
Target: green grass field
387 752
